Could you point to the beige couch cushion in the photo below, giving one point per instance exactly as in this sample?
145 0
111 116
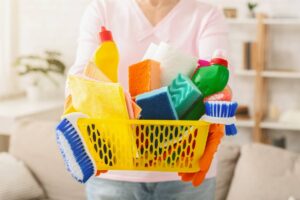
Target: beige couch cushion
265 172
34 143
228 156
16 182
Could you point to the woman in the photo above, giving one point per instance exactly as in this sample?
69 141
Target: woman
193 27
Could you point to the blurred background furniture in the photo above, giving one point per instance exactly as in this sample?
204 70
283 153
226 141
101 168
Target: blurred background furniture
14 110
252 166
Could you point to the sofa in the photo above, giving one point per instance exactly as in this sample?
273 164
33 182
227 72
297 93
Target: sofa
249 172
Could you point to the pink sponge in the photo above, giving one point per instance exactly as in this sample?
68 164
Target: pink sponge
144 77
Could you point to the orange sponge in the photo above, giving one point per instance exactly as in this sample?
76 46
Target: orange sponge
144 77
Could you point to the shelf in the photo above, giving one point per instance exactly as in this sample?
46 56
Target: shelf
270 21
242 21
245 72
245 123
270 74
283 21
280 126
281 74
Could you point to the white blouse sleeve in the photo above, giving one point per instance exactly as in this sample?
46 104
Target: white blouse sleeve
213 34
88 41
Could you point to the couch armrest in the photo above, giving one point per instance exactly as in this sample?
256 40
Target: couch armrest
227 160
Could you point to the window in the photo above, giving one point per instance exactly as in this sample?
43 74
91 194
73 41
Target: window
8 45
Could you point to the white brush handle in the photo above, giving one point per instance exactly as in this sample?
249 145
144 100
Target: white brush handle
219 120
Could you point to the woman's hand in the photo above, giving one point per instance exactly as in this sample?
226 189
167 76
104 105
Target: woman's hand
215 135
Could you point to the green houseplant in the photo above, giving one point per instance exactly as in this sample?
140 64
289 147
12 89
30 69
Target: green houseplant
251 8
34 68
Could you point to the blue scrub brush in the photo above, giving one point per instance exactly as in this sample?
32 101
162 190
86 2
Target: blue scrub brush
72 147
222 112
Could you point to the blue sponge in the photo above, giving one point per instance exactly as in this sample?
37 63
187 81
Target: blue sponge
157 104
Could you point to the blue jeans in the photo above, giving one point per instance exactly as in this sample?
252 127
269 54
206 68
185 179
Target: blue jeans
101 189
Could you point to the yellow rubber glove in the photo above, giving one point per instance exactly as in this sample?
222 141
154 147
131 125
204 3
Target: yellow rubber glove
216 132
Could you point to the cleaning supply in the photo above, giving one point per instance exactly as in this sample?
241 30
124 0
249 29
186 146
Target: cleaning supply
221 112
144 77
157 104
129 105
201 63
150 52
216 132
184 94
225 95
213 79
98 99
91 71
106 57
134 110
196 111
68 106
172 62
77 157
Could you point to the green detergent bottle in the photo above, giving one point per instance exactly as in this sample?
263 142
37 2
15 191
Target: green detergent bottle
212 79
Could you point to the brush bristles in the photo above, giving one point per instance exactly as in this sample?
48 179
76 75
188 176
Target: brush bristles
222 112
77 160
222 109
231 130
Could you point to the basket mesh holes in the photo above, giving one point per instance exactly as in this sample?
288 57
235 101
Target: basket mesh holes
137 131
142 137
114 159
106 160
89 130
151 148
188 150
99 143
183 154
147 143
105 148
194 144
179 150
190 138
186 163
195 133
101 154
96 147
142 150
151 137
156 143
184 144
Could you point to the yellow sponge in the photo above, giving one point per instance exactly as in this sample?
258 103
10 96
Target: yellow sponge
101 100
144 77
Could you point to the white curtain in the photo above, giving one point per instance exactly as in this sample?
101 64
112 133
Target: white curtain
8 45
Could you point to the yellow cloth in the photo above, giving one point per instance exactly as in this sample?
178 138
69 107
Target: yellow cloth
93 72
101 100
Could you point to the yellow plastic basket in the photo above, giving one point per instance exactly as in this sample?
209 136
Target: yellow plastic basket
150 145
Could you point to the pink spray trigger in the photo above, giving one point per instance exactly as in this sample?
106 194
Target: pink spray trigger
201 63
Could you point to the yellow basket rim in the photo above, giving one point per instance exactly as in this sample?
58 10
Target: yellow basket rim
154 122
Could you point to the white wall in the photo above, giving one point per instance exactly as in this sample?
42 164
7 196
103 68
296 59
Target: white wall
50 24
274 8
